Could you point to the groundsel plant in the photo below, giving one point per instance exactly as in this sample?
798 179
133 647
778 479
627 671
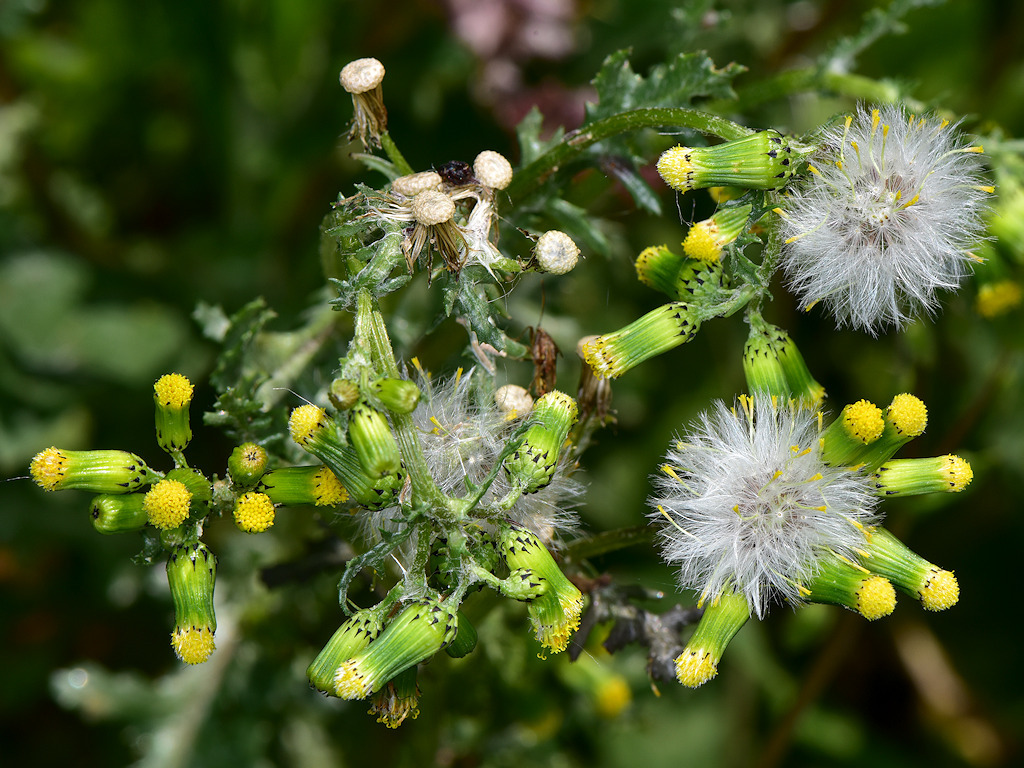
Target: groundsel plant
461 481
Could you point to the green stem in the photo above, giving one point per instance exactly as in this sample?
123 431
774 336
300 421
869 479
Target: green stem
608 541
530 177
394 155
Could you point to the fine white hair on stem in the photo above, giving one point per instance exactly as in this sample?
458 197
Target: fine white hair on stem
886 216
751 506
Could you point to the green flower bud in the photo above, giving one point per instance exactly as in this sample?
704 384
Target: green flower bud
422 629
118 513
909 477
859 425
699 660
533 463
557 605
371 436
312 429
465 639
657 267
840 582
706 240
343 394
905 418
191 572
172 394
96 471
353 636
397 395
658 331
762 160
398 700
294 486
247 464
773 365
937 589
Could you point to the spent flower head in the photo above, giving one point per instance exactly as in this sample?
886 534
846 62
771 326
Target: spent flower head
751 505
887 216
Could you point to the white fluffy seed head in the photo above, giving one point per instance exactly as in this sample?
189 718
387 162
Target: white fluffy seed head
885 219
361 75
414 183
745 502
556 252
432 207
492 169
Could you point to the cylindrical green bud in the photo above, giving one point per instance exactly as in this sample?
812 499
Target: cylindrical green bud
247 464
706 240
699 660
194 480
555 611
294 486
533 463
397 701
905 418
312 429
844 440
353 636
343 394
172 394
375 444
798 377
117 513
397 395
910 477
773 365
762 160
422 629
937 589
840 582
96 471
465 639
657 267
658 331
191 572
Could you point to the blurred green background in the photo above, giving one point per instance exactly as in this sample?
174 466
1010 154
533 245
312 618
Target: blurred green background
155 155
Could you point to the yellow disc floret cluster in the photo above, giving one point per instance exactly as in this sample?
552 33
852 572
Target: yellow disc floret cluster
328 488
49 467
306 421
876 598
254 512
908 414
863 421
167 503
193 645
173 390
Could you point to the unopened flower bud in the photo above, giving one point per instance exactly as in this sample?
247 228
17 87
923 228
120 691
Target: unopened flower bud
859 425
465 639
699 660
397 395
555 613
533 464
660 330
343 394
422 629
191 572
839 582
117 513
294 486
247 464
97 471
353 636
172 394
555 253
937 589
762 160
706 240
371 436
773 365
910 477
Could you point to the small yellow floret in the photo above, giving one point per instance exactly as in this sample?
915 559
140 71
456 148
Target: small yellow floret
876 598
49 467
254 512
166 504
941 591
702 242
173 391
305 421
328 489
960 473
908 414
863 421
676 169
694 667
556 636
998 298
193 645
350 682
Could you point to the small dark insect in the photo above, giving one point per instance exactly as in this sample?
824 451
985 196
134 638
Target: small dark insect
544 352
456 173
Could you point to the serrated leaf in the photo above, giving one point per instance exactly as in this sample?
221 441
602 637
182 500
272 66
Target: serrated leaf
531 145
372 558
623 171
676 84
385 167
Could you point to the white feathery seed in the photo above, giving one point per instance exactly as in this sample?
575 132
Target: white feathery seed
745 502
885 219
